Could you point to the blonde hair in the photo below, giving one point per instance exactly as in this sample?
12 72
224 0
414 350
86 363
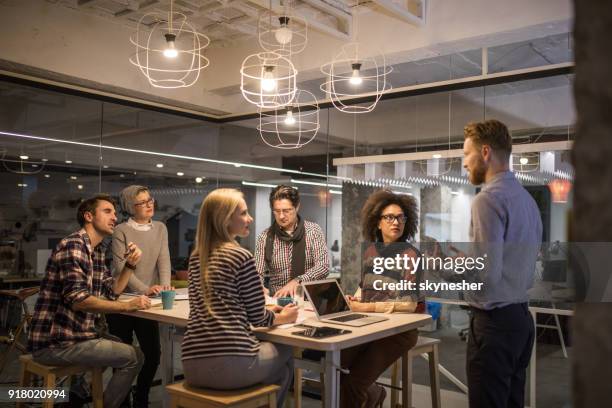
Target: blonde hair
213 230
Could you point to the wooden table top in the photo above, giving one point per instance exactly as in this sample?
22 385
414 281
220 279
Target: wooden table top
396 323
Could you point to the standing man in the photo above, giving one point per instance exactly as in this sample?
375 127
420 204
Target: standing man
76 289
292 250
505 221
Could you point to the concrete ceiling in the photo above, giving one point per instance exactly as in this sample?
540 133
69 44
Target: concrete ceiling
86 43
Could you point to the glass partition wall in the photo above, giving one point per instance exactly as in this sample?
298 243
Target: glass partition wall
57 148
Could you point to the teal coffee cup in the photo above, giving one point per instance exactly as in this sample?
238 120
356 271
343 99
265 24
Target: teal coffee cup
168 298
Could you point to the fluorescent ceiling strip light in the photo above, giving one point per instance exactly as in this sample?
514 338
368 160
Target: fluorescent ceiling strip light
250 183
312 183
174 156
335 192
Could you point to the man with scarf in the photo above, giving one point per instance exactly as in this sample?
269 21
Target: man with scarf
292 250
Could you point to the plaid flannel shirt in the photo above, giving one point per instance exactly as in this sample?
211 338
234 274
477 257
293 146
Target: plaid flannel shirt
317 258
74 272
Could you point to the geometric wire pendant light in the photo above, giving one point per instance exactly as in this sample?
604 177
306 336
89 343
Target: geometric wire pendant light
292 126
351 75
170 53
268 80
21 165
284 33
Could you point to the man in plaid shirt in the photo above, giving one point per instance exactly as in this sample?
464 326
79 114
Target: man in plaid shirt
77 287
292 250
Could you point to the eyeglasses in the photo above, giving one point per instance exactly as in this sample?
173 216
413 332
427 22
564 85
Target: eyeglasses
284 211
390 218
148 202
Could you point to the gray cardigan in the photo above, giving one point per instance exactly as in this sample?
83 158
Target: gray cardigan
154 265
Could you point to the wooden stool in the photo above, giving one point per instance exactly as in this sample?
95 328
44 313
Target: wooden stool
424 345
182 395
51 373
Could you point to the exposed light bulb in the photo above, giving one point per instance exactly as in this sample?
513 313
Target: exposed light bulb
170 51
199 179
524 160
268 82
284 34
289 118
355 77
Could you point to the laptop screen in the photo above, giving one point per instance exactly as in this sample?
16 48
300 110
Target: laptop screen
327 298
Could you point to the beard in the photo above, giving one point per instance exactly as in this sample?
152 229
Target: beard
477 174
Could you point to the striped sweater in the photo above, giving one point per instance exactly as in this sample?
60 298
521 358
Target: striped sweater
237 302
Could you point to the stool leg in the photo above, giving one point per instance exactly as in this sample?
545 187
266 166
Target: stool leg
297 381
297 388
395 369
272 400
322 379
49 384
25 379
407 381
434 377
97 391
173 403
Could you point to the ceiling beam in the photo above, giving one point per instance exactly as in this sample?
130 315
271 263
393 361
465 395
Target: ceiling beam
410 11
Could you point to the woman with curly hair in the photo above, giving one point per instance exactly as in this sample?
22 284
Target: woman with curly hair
388 221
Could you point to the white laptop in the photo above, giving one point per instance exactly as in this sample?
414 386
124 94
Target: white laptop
330 305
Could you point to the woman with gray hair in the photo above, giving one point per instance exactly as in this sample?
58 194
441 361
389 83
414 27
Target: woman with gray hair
150 277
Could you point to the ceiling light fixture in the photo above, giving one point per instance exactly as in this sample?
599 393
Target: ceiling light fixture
525 162
293 127
284 33
313 183
250 183
170 50
180 173
199 179
169 155
24 157
351 76
161 39
355 77
160 165
289 119
268 80
437 156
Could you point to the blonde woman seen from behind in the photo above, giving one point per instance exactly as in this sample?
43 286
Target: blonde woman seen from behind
226 298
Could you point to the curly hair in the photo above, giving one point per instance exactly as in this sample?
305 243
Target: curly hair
374 206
